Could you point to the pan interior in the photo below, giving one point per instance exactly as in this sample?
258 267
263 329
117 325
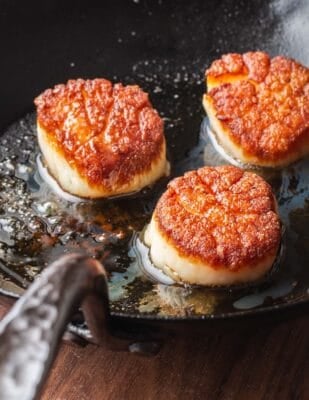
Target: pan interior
37 226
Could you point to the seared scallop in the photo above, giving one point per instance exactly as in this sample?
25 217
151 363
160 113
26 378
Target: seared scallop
99 139
259 107
215 226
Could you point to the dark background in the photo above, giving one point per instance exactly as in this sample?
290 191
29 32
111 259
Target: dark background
47 42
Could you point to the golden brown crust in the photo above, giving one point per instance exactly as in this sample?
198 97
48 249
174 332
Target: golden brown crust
262 104
108 133
221 216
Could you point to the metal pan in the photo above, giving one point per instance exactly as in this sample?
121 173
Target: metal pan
164 47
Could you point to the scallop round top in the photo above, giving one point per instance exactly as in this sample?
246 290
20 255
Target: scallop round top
107 132
262 103
221 216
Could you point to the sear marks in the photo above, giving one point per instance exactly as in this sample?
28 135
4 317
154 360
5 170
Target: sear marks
262 104
222 216
105 131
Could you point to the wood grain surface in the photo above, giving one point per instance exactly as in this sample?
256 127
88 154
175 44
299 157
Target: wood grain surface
271 362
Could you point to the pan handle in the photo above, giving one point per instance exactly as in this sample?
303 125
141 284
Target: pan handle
31 332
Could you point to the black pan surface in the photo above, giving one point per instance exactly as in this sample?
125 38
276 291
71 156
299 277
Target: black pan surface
164 46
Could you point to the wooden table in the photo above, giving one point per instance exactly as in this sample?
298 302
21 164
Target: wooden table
270 363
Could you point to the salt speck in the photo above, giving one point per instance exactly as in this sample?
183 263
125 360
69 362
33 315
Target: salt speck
102 237
133 33
54 220
8 165
47 208
72 64
23 171
34 225
157 89
177 78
